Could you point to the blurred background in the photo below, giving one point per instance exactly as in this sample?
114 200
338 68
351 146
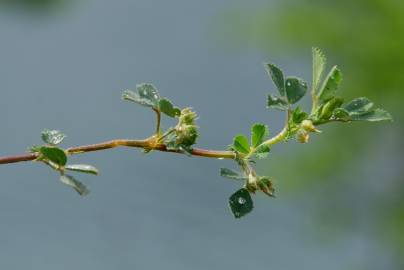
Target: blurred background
64 64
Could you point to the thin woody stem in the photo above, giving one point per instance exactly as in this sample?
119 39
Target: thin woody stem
149 144
144 144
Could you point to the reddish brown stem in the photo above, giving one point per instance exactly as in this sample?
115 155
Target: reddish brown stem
145 144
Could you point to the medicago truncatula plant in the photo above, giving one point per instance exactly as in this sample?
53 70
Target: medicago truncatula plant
327 107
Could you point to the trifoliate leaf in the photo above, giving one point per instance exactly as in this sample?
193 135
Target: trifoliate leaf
240 144
224 172
330 84
241 203
52 137
167 108
296 88
277 103
372 116
84 168
147 95
319 61
359 105
276 75
77 185
258 133
54 154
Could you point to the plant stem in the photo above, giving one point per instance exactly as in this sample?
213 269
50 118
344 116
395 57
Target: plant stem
276 139
146 144
158 113
314 102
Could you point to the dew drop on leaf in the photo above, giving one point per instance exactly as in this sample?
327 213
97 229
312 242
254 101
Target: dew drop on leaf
241 200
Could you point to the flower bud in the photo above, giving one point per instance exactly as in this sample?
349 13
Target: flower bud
186 134
266 186
187 117
186 131
303 136
252 183
307 125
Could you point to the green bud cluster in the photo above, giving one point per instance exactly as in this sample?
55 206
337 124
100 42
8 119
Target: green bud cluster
186 131
262 183
306 127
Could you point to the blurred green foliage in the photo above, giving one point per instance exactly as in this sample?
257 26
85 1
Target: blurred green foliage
366 39
34 5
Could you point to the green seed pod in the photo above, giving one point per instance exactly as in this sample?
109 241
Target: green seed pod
266 186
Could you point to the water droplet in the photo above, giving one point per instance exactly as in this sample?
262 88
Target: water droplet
155 96
241 200
288 84
220 158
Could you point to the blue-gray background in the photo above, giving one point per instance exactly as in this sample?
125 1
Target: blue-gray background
65 69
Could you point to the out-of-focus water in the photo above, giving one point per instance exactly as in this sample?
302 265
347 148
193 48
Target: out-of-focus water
65 69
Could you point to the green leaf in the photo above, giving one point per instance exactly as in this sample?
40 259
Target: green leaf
148 92
241 145
319 61
298 116
330 84
329 107
34 149
54 154
147 95
276 75
224 172
262 151
277 103
82 168
359 105
52 137
134 97
241 203
296 88
77 185
372 116
167 108
258 133
341 114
